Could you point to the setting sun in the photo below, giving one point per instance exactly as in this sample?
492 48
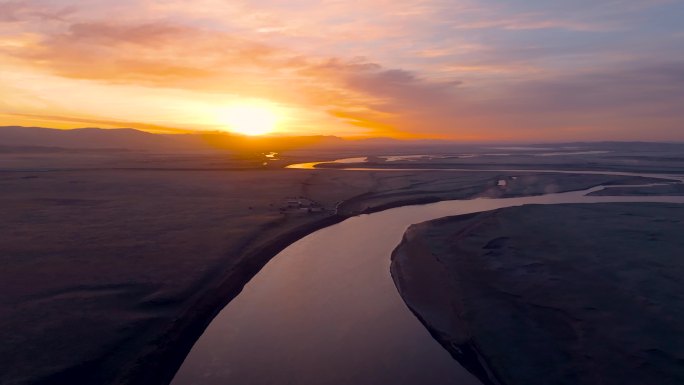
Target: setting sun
249 119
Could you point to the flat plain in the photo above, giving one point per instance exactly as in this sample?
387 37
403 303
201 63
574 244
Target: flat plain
114 262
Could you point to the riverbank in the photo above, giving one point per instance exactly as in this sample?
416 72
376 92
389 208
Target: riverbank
562 294
159 365
167 358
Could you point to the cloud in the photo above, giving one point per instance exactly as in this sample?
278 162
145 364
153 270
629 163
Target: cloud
644 102
14 11
415 67
162 54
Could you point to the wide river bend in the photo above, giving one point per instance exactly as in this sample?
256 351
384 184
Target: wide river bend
325 310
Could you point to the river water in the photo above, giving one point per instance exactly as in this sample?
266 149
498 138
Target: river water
325 310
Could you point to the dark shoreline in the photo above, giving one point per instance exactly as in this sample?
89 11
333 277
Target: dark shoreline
466 354
159 366
444 267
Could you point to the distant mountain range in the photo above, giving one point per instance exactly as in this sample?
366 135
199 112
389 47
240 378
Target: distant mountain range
131 139
47 139
39 138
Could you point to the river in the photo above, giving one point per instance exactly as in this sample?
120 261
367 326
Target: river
325 310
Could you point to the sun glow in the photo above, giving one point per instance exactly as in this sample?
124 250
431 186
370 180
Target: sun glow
249 119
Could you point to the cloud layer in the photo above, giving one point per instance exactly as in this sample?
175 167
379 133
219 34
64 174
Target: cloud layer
471 69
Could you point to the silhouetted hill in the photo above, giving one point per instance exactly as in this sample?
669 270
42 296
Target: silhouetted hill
84 138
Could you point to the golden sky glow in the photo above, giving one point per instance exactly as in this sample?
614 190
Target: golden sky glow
249 119
466 69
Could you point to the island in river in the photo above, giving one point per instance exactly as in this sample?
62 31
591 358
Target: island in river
563 294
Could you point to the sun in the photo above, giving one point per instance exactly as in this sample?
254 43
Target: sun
249 119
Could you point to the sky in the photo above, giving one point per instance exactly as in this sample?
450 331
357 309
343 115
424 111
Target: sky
505 70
